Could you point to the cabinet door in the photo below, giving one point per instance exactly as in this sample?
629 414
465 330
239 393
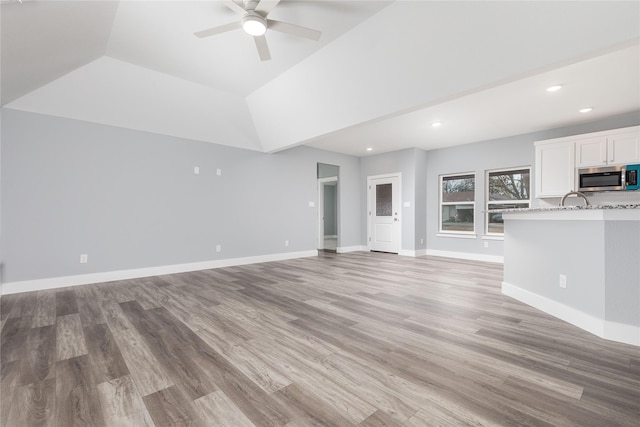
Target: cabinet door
555 169
591 152
624 149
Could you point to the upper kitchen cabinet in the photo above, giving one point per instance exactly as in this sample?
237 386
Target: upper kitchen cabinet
624 148
591 151
555 165
557 159
619 147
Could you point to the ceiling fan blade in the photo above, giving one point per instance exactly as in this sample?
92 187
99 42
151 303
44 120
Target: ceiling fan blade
263 49
295 30
266 6
235 7
218 30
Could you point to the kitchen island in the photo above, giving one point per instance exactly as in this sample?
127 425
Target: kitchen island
578 263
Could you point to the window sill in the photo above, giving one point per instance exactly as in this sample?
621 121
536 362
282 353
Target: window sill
492 237
458 236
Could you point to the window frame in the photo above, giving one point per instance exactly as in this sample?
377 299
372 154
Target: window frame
441 204
488 203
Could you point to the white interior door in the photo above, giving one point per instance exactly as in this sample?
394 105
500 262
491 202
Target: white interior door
384 218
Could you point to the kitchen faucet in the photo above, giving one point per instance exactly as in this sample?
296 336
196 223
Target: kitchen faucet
577 193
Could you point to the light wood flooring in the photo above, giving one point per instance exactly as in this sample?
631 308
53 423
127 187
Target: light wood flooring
359 339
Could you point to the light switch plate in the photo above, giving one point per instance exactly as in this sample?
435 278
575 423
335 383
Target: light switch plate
563 281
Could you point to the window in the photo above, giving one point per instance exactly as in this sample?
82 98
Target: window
457 203
508 189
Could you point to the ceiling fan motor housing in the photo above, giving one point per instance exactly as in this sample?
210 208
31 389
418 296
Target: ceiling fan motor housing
254 24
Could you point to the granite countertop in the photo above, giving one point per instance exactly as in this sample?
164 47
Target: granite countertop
568 208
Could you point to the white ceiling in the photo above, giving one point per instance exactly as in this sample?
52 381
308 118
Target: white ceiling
381 73
609 83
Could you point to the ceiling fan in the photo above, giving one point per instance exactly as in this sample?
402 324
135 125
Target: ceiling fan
255 23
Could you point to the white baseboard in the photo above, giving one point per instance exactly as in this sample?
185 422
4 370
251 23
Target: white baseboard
499 259
621 332
345 249
108 276
412 253
613 331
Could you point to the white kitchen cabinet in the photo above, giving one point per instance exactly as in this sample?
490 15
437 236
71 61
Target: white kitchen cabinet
591 151
624 148
608 149
555 168
557 159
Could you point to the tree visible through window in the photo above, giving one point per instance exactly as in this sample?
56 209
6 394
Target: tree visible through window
507 189
457 203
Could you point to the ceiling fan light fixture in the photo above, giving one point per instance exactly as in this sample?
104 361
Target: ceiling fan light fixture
254 24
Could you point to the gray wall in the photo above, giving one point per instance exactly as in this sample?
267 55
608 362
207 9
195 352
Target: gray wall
503 153
420 180
541 250
330 198
599 259
327 171
330 210
130 199
420 205
403 161
496 154
622 260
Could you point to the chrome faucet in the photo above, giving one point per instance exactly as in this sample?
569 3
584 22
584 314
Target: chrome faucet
577 193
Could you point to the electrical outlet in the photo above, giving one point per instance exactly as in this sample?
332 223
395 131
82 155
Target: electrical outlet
286 243
218 172
218 248
421 240
486 244
563 281
84 258
196 170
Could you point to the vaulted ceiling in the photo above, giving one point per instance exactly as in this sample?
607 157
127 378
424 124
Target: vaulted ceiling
380 75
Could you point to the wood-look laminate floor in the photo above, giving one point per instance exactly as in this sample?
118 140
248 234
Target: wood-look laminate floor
360 339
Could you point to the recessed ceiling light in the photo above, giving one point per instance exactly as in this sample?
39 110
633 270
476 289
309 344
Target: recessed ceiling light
369 149
554 88
586 110
436 124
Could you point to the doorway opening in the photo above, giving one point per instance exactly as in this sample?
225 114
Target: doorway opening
328 227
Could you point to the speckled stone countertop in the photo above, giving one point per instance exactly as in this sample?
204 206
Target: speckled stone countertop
569 208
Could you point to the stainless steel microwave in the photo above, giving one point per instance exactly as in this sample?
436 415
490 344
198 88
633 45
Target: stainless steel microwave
608 178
